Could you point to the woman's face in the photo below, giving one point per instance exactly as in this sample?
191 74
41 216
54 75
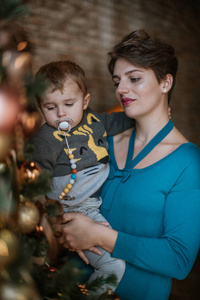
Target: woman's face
137 89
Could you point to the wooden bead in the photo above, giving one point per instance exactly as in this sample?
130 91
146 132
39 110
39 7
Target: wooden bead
66 190
73 171
69 186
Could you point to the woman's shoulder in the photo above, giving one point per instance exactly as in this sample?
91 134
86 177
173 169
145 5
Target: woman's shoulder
178 137
177 140
192 150
172 142
123 135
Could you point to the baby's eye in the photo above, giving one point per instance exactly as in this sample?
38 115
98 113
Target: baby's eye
50 107
69 104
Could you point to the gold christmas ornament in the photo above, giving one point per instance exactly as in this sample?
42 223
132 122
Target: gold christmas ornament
8 247
10 291
28 216
29 172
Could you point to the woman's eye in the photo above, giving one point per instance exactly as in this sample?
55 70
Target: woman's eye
134 79
68 104
116 84
50 108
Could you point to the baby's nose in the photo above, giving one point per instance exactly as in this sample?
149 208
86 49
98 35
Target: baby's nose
61 112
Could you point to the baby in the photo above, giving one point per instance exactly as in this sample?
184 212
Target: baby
72 145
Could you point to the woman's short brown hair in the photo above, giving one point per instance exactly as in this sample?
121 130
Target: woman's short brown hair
143 51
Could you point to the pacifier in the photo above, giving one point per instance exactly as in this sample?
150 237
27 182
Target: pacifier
65 126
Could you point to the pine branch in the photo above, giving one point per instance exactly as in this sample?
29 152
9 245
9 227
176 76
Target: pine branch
58 284
99 281
39 187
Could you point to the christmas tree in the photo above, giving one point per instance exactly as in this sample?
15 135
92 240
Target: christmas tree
31 263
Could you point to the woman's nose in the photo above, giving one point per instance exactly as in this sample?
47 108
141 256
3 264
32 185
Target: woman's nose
122 88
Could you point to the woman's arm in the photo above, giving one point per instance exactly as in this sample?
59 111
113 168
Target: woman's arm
172 254
80 232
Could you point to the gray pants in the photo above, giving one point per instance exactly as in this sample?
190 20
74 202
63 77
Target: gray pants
103 264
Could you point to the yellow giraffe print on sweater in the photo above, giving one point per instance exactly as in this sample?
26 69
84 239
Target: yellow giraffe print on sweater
87 131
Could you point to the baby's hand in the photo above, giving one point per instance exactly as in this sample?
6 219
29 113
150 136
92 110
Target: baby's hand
58 209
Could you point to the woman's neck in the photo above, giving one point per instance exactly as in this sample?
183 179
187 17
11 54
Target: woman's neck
146 129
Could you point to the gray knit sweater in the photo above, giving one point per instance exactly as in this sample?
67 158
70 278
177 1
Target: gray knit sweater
88 142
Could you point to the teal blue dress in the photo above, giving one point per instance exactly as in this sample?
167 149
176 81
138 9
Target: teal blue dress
156 211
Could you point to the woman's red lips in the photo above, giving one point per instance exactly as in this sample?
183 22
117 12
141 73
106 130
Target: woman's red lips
127 101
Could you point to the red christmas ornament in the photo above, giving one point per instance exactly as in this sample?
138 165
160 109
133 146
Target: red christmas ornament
9 109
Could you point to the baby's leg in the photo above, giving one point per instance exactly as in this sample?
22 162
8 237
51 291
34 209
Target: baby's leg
104 264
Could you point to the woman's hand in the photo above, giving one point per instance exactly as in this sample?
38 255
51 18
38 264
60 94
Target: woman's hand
78 231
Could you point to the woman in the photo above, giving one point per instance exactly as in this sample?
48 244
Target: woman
152 195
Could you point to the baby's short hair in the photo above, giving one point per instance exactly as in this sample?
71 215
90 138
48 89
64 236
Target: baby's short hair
57 72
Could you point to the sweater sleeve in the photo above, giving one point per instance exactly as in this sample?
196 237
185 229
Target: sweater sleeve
116 122
44 154
174 253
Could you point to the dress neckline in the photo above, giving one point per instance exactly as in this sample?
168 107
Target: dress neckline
131 163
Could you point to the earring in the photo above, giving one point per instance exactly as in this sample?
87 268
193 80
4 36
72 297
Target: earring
164 91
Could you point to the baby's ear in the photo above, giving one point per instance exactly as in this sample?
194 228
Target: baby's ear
86 101
38 105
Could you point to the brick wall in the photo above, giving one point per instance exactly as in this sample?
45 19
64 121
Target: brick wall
85 30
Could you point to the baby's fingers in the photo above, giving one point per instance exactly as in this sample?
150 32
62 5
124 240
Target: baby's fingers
95 250
82 256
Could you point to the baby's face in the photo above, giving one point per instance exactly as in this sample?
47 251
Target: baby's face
68 105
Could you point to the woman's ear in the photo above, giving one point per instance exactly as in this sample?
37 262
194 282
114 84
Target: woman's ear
167 83
86 101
